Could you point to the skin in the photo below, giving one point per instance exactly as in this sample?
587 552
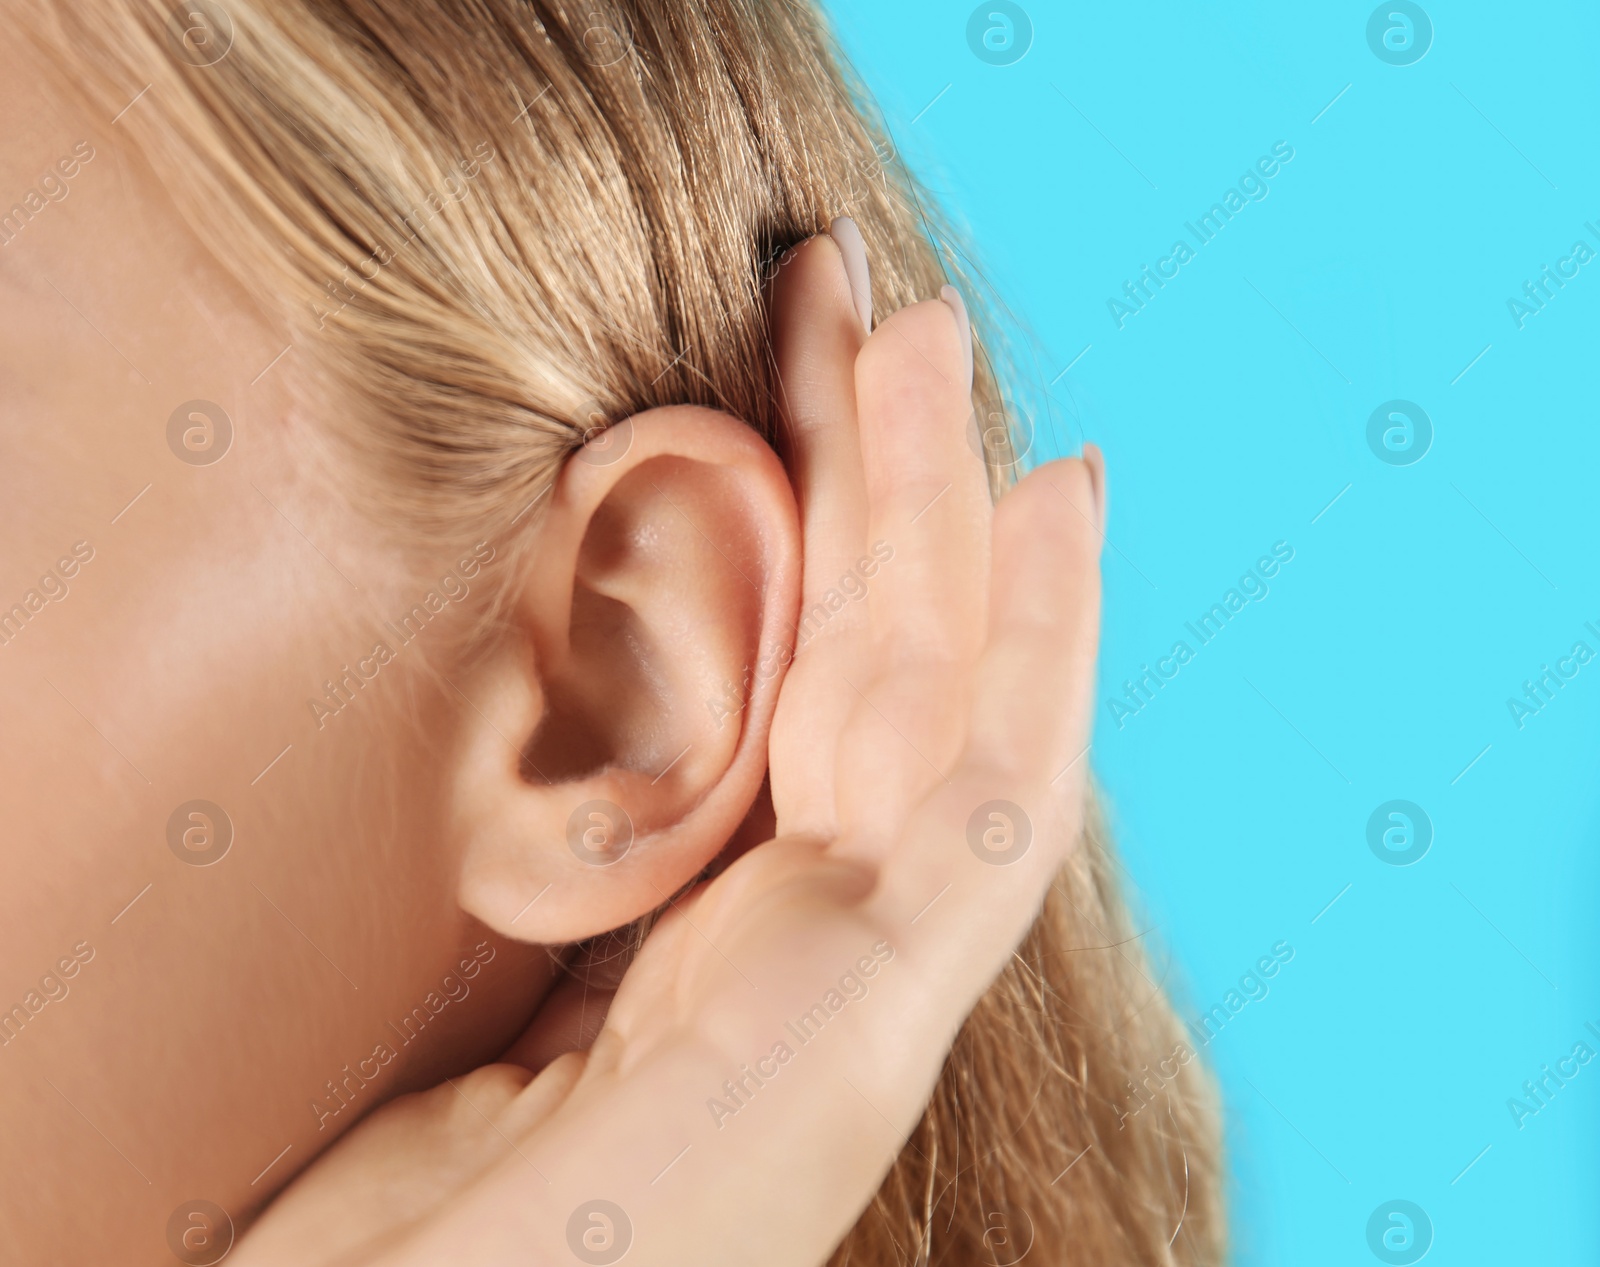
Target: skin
374 854
179 664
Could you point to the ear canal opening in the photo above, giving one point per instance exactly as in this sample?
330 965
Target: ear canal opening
576 736
588 705
566 746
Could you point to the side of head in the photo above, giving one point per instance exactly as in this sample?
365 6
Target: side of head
394 461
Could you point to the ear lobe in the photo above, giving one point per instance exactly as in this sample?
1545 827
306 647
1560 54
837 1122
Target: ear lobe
618 733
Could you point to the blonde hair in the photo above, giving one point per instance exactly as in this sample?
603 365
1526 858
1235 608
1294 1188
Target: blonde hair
495 224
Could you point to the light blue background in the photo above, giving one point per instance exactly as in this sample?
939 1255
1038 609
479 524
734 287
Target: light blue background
1378 668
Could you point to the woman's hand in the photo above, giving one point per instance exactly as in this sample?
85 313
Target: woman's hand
777 1037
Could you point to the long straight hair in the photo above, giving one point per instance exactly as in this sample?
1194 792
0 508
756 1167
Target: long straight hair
492 225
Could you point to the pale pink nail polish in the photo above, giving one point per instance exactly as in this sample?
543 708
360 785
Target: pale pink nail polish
952 297
853 247
1096 462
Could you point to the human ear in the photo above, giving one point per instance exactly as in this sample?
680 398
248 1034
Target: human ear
615 734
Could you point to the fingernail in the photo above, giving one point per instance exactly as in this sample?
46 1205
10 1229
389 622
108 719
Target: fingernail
1096 462
952 296
853 247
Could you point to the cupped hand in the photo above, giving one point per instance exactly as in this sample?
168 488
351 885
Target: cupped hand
776 1039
